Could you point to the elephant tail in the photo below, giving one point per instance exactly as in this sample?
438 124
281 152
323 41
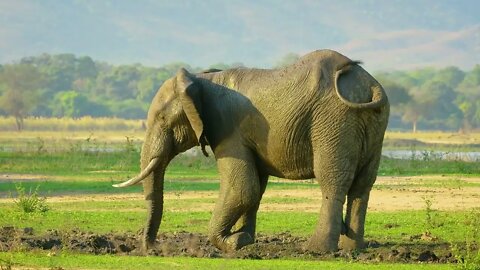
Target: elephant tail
379 97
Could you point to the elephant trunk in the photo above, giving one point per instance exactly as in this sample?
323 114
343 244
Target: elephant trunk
156 150
153 191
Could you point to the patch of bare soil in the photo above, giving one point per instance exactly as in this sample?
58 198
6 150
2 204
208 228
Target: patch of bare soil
197 245
17 177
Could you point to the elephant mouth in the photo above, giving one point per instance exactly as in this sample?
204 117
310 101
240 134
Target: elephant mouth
143 174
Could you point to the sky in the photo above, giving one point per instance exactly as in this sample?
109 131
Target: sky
384 34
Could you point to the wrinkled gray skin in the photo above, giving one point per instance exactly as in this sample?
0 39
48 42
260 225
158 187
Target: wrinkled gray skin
323 117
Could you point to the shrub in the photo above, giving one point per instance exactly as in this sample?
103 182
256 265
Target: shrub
30 202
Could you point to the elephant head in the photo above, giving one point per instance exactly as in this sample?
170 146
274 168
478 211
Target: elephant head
174 125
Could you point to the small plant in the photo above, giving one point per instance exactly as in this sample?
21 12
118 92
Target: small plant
130 145
429 223
30 202
468 258
75 147
40 146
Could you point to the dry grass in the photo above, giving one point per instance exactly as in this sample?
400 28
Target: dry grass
70 124
437 137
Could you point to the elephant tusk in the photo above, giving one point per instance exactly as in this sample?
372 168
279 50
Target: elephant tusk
148 170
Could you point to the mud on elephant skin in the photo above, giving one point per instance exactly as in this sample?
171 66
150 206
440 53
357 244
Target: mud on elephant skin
323 117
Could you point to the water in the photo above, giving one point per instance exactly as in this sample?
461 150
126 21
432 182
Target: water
397 154
431 155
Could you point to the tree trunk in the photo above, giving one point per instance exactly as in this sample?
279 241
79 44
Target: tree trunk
19 122
415 126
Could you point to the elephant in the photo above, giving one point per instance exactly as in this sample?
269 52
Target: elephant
322 117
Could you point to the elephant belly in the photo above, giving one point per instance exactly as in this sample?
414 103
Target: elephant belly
290 162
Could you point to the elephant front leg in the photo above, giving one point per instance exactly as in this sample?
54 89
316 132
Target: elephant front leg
247 222
239 196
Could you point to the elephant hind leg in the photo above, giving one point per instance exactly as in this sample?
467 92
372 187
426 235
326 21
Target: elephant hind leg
357 204
240 192
335 179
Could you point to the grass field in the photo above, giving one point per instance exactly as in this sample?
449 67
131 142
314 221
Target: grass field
418 203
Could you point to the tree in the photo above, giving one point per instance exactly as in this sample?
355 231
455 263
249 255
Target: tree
73 104
19 96
398 97
451 76
396 93
412 114
468 99
439 99
119 84
60 72
433 104
129 109
85 68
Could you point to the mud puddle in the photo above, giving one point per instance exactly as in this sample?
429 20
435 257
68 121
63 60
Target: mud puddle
279 246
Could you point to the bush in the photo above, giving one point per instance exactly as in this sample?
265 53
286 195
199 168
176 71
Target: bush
30 202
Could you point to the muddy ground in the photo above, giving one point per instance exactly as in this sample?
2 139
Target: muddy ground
390 194
197 245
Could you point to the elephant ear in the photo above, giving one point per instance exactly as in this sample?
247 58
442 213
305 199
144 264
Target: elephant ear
190 95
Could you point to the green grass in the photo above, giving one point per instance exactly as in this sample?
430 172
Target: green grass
129 216
67 169
98 164
88 172
389 166
105 187
87 185
81 261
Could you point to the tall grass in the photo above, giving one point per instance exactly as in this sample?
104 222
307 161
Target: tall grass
72 124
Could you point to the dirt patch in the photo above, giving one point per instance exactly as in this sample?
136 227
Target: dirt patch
22 177
197 245
389 194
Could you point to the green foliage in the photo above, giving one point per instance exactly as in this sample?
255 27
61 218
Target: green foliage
436 99
73 104
19 87
428 164
30 202
65 85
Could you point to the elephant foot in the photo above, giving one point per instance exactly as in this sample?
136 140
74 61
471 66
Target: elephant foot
234 241
321 246
238 240
147 247
348 244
